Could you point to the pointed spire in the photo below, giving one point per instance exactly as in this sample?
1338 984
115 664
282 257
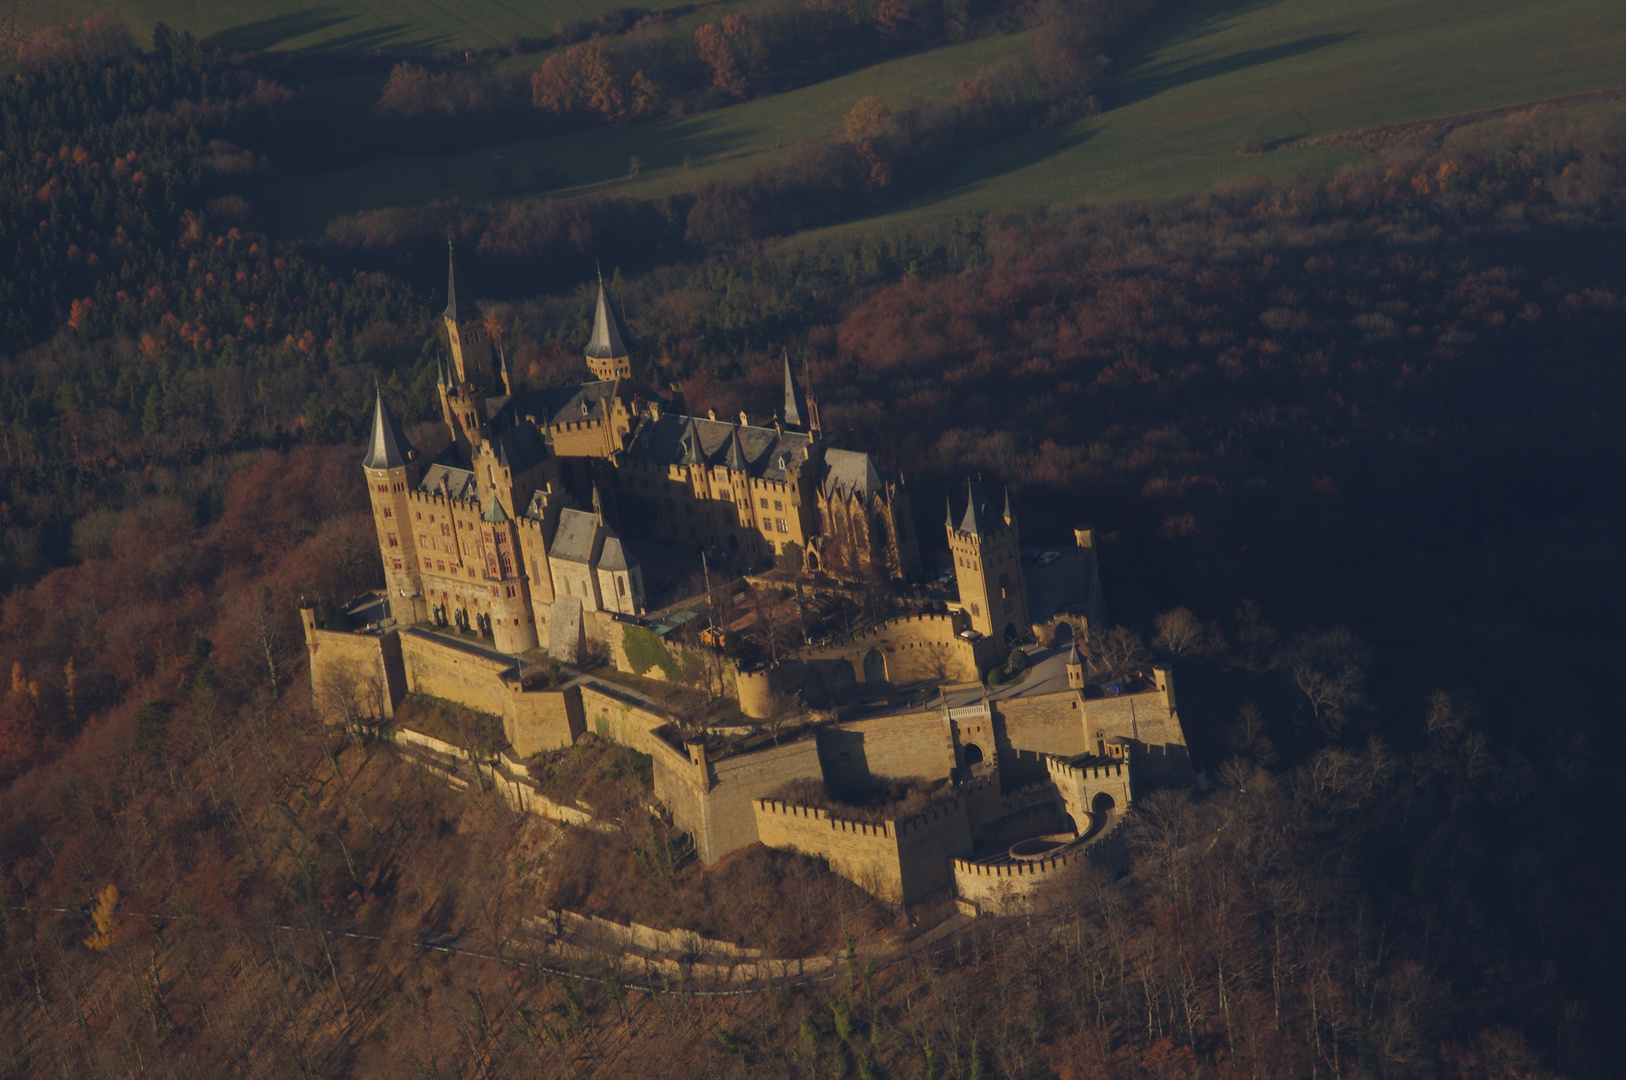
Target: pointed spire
385 448
736 452
1008 516
948 512
606 342
598 505
796 414
1073 658
693 453
502 369
451 284
976 510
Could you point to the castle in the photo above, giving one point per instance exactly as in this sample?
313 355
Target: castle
523 537
520 520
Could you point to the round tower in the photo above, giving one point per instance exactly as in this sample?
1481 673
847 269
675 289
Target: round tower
513 626
391 466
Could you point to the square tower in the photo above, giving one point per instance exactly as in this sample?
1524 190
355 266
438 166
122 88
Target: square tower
988 567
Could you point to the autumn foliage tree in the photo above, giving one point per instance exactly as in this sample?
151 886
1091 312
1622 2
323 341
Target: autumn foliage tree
733 51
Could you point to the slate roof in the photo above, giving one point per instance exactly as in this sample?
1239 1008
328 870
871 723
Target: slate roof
460 482
576 537
615 556
386 449
495 513
851 470
795 401
520 447
675 439
564 404
979 516
606 342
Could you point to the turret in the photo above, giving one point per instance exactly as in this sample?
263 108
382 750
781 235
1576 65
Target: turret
1075 669
392 472
607 354
797 416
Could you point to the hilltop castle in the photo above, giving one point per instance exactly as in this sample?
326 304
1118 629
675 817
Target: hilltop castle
522 518
524 534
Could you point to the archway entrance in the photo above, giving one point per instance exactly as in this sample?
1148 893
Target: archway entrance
1012 639
973 754
1064 634
1102 803
874 666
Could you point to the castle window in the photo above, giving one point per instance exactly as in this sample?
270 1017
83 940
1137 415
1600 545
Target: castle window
975 610
765 504
778 505
779 523
393 541
388 512
428 563
419 515
440 566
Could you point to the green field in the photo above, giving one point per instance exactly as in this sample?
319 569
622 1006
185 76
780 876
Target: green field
247 25
726 143
1188 94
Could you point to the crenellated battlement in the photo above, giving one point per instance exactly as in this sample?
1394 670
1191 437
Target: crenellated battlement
891 829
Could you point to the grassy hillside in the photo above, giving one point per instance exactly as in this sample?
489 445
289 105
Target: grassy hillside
1189 93
676 154
245 25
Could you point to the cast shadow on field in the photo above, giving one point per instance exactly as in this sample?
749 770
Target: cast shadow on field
1153 79
269 33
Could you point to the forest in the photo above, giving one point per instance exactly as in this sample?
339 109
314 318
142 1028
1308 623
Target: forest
1352 445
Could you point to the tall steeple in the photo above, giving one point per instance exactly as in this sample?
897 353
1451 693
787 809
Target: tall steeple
607 355
736 452
796 414
988 567
1010 518
977 511
450 314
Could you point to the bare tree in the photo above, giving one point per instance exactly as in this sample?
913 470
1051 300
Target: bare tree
1329 669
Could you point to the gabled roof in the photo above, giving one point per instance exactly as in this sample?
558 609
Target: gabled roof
795 401
606 342
386 449
459 483
851 470
978 514
576 538
615 555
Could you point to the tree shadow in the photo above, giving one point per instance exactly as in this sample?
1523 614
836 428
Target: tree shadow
265 34
997 159
268 33
1154 79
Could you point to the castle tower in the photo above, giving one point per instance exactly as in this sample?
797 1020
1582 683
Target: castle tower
392 472
463 391
988 567
513 627
607 355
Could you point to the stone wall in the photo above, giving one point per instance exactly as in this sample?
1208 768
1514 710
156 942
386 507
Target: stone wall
898 861
1011 889
1080 785
440 667
908 649
854 753
538 720
355 678
712 800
